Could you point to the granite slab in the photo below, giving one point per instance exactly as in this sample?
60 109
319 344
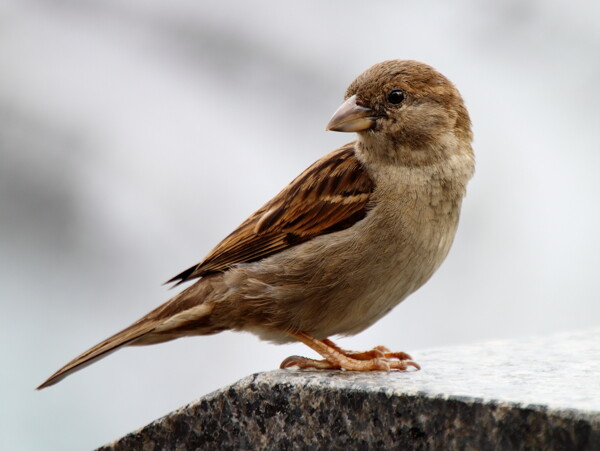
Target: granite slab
537 393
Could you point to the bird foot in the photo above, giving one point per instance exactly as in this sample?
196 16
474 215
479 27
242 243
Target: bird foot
377 359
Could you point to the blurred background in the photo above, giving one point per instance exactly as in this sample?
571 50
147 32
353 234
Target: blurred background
135 135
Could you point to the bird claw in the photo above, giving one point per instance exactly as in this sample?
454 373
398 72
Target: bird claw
304 362
349 364
377 359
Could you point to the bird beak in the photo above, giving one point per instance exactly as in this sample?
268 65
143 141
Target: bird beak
351 117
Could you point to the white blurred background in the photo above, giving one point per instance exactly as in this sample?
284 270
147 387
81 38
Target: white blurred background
135 135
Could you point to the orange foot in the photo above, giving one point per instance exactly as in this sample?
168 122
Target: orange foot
377 359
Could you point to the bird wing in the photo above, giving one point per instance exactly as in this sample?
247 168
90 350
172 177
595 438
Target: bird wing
329 196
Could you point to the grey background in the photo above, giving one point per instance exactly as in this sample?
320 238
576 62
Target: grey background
136 135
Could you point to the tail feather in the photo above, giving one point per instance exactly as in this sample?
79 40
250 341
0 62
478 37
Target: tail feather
101 350
185 314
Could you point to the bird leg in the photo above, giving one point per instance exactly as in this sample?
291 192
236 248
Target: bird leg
376 352
377 359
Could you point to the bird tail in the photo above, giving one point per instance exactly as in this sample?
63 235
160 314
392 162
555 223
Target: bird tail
185 314
101 350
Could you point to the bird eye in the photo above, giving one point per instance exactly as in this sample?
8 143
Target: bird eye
395 97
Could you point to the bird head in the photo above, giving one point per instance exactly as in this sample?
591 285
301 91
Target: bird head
403 104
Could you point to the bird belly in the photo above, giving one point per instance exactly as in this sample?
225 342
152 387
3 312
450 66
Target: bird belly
340 283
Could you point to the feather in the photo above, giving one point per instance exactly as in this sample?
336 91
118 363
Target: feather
329 196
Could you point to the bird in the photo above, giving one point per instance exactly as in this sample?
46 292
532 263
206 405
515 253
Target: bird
345 242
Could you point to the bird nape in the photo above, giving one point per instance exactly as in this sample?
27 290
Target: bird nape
345 242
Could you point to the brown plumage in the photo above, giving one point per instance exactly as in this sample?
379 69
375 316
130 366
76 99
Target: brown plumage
330 195
345 242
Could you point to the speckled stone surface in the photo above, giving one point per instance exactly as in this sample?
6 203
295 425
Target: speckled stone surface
540 393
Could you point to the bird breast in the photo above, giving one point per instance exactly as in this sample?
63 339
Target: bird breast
341 283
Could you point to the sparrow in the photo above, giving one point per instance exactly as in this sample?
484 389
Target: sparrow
345 242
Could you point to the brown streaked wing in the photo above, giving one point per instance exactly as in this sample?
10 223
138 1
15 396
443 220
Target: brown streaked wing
330 195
